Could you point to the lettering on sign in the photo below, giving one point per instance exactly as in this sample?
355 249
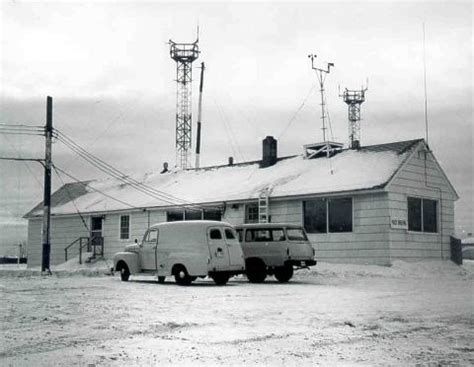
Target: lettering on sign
398 223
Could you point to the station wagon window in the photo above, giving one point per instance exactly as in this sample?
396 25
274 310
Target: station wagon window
240 235
328 215
422 215
229 234
215 234
125 227
251 213
264 235
296 234
151 236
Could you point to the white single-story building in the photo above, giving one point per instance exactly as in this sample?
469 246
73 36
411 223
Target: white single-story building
368 205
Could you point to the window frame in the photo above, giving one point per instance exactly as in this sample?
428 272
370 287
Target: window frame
422 219
246 212
129 227
326 201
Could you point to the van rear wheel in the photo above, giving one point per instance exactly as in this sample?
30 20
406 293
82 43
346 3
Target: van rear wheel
255 270
284 273
181 276
220 278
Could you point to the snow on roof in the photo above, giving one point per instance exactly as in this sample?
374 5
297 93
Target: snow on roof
367 168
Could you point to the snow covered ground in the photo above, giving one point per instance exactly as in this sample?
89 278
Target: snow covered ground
407 314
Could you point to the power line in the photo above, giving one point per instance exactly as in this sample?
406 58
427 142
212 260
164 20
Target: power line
112 171
93 188
293 118
122 177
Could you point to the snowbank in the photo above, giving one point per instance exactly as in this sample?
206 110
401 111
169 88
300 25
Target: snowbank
399 269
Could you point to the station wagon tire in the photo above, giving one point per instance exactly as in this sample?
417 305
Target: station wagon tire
220 279
284 273
161 279
181 276
124 273
255 270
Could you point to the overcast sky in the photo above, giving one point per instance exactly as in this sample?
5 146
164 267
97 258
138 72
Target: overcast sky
107 66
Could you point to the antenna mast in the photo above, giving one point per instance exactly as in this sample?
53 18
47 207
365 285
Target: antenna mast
198 135
321 75
184 54
353 99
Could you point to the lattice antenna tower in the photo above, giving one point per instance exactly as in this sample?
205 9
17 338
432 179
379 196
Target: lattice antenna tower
321 75
184 54
353 99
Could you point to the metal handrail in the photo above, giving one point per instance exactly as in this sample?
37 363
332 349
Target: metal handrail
85 241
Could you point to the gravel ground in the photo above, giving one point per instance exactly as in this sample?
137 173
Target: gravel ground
408 314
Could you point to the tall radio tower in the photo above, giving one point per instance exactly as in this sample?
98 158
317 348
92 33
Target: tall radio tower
184 54
353 99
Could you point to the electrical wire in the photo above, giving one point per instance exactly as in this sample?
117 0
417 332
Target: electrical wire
122 177
293 118
93 188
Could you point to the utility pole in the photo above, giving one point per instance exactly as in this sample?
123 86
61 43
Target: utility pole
198 136
47 188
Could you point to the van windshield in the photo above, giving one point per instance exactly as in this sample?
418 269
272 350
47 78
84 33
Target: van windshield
296 234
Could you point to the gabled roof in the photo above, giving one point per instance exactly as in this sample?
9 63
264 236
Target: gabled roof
367 168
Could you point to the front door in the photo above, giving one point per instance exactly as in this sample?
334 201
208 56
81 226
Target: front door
96 233
148 250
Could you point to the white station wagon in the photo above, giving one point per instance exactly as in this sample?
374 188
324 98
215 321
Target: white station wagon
185 250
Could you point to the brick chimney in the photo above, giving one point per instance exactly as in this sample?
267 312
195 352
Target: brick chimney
269 152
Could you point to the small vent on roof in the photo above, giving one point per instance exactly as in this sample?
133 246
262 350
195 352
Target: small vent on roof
324 149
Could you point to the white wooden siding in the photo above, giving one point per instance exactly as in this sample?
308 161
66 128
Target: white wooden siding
412 182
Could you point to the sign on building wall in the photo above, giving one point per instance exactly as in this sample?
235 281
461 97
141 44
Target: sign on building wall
398 223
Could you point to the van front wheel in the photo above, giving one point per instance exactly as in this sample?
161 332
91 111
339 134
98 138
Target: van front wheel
284 273
181 276
220 278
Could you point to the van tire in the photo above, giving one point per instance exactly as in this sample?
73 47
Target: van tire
284 273
220 278
161 279
124 271
181 275
255 270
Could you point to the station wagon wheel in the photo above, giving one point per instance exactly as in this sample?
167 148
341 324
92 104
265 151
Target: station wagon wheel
284 273
255 270
161 279
181 275
220 278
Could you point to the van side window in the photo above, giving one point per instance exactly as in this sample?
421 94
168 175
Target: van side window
151 236
215 234
249 235
229 234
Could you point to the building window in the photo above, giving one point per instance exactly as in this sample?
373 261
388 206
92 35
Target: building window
192 214
212 214
251 213
125 227
328 215
422 215
174 215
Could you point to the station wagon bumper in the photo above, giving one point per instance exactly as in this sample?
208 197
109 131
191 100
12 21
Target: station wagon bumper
301 263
